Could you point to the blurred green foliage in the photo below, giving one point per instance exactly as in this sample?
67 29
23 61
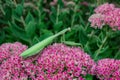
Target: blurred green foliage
31 21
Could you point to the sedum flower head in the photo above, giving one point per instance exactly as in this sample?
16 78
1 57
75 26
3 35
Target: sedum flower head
11 66
56 62
59 61
10 49
97 20
104 8
106 14
108 69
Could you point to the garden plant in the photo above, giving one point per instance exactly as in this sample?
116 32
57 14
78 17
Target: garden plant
59 40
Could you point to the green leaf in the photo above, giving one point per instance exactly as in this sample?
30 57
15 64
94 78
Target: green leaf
60 2
2 36
14 25
43 31
82 20
52 18
18 33
35 40
29 18
117 55
82 35
89 77
30 29
17 12
41 25
3 21
68 36
103 50
19 9
87 49
8 13
58 25
53 15
94 39
42 37
114 34
108 53
15 17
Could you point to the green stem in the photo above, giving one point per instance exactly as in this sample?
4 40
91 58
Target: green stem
57 15
22 19
91 34
101 46
73 17
39 6
2 10
58 12
117 54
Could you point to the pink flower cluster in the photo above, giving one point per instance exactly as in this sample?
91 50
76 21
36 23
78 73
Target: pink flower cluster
108 69
106 14
60 62
10 62
8 49
56 62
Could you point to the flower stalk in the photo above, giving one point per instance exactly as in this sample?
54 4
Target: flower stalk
101 46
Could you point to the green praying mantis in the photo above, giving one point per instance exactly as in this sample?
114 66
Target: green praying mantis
41 45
